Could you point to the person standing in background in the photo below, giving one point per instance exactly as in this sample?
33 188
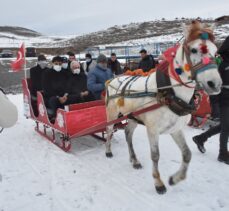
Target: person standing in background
147 61
114 65
89 64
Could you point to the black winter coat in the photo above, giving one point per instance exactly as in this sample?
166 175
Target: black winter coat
147 63
224 95
54 83
75 85
224 50
224 72
36 76
115 67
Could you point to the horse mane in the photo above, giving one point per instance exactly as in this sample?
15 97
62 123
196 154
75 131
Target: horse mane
196 28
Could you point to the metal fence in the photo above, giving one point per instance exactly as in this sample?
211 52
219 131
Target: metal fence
125 52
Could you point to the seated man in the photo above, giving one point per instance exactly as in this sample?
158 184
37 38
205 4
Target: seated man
65 63
54 86
98 77
77 85
36 75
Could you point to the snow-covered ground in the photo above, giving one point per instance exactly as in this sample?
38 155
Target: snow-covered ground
38 176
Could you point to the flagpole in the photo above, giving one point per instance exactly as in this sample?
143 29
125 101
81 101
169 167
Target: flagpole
25 72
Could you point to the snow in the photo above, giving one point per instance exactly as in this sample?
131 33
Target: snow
36 175
10 40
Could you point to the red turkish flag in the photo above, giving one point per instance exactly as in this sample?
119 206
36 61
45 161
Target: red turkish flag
19 63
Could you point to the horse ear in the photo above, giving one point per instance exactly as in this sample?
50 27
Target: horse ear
185 29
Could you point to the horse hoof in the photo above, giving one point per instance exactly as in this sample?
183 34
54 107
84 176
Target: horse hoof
137 166
109 154
171 182
161 189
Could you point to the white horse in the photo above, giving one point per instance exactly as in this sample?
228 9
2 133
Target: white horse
197 52
8 112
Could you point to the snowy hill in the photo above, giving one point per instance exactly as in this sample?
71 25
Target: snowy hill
144 33
36 175
12 37
130 34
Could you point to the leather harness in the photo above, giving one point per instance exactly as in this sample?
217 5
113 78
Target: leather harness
168 97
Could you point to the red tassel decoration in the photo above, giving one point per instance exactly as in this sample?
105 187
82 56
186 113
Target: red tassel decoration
204 49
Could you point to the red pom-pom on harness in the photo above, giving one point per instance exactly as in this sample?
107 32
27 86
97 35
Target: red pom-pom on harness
204 49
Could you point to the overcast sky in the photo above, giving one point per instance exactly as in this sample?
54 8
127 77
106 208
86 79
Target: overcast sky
59 17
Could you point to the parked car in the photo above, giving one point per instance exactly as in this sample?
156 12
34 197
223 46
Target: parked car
6 54
30 52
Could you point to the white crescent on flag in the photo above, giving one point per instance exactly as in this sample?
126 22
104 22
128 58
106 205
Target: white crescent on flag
20 61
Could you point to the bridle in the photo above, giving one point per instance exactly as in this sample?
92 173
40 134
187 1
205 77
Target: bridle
199 67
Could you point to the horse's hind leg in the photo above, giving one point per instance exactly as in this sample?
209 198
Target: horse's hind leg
109 130
112 114
129 130
154 149
186 157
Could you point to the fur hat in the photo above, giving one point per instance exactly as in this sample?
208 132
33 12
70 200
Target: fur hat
102 59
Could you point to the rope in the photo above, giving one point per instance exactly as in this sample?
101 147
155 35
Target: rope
151 90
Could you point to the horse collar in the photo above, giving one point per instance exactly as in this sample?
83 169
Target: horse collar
168 97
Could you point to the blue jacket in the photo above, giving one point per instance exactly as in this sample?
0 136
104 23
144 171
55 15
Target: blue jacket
96 80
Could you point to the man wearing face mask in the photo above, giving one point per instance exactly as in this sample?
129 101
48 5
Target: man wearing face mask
77 85
36 75
98 77
89 64
54 86
65 63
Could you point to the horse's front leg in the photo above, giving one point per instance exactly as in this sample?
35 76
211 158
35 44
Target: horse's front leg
186 158
155 155
129 130
109 130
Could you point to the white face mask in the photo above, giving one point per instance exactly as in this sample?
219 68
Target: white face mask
76 71
57 68
65 65
42 64
88 60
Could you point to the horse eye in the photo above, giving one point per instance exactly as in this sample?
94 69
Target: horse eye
194 50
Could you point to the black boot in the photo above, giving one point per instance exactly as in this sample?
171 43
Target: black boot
224 157
223 152
199 141
202 138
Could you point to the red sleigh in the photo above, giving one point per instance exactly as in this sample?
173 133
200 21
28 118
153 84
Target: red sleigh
74 121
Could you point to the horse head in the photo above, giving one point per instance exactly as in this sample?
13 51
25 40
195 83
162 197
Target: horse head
196 57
